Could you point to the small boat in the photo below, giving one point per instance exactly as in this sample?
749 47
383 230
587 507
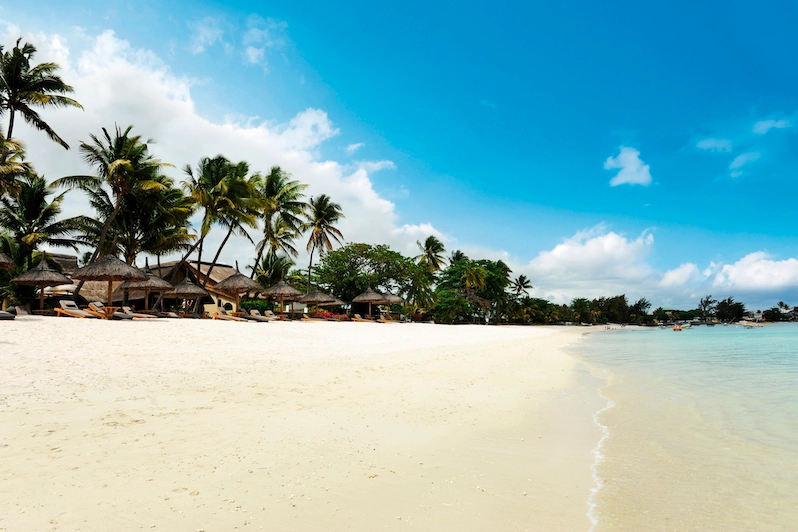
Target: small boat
677 328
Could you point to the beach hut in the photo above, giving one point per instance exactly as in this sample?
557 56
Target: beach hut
237 284
109 269
152 284
5 262
282 291
370 297
317 297
42 275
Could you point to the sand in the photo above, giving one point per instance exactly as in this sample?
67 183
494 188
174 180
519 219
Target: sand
211 425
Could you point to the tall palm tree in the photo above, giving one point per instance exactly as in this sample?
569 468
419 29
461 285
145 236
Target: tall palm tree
431 254
282 215
32 218
457 256
24 85
474 276
124 165
228 197
322 214
521 284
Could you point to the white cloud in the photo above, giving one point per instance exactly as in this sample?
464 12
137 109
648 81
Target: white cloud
120 84
758 272
711 144
352 148
742 160
204 33
592 263
763 126
680 276
261 35
632 170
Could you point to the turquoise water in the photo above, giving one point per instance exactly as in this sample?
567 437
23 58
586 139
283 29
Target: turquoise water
702 428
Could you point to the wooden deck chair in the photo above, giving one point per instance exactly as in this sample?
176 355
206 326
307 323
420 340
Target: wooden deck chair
137 315
221 314
358 317
252 316
97 308
70 308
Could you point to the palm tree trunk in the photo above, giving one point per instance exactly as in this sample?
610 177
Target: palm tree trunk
257 259
216 258
4 157
310 265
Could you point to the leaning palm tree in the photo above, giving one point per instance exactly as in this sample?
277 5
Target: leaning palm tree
123 166
321 216
272 269
282 215
24 85
32 218
431 254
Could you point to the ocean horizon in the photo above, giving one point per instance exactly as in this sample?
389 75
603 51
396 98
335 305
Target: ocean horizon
700 428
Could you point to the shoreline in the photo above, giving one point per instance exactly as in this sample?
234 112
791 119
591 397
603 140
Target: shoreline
309 425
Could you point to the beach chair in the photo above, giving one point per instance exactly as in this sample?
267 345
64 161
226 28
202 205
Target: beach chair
6 315
311 318
255 313
136 315
69 308
252 316
221 314
272 316
97 308
358 317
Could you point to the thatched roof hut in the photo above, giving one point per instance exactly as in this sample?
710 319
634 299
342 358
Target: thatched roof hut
370 296
316 297
109 269
5 262
187 290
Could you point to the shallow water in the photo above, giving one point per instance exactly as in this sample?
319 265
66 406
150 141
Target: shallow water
703 432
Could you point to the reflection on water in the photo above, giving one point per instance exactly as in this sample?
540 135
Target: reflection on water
704 430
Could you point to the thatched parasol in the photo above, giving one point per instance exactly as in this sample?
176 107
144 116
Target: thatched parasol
110 269
316 297
370 297
282 291
187 290
5 262
237 284
392 299
41 276
152 284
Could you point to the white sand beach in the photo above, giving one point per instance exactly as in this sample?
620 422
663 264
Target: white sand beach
210 425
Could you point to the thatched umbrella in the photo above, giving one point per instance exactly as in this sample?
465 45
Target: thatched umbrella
110 269
5 262
41 276
370 296
391 299
284 292
237 284
152 284
316 297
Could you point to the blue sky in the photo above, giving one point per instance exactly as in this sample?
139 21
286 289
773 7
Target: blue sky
499 127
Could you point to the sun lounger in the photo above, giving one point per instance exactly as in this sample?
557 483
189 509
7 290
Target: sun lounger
252 316
137 315
69 308
221 314
95 307
358 317
6 315
310 318
270 315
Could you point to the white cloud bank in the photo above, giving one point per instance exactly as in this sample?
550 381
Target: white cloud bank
120 84
632 170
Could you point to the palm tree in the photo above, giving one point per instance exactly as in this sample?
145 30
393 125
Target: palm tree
124 165
282 213
12 164
227 196
474 276
23 86
431 254
521 284
32 219
322 214
272 269
457 256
